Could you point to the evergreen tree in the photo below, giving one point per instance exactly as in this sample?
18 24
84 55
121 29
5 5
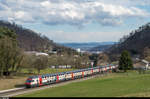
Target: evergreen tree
125 61
94 58
4 31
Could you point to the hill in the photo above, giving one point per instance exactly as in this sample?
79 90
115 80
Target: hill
88 46
100 47
32 41
135 42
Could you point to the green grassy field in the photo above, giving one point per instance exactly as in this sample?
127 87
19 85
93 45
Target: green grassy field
112 85
45 71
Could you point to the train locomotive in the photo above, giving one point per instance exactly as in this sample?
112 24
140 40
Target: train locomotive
47 79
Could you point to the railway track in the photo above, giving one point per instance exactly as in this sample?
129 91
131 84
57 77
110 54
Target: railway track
22 90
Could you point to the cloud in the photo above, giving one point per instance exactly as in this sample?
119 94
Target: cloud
73 12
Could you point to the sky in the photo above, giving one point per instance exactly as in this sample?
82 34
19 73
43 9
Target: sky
78 20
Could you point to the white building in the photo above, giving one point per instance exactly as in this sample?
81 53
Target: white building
78 50
52 52
146 64
36 53
61 66
39 53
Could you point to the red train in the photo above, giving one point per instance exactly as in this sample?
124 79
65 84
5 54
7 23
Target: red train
46 79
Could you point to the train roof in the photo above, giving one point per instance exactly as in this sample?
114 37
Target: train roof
84 69
35 76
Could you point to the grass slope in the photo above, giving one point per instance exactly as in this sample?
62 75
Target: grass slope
111 85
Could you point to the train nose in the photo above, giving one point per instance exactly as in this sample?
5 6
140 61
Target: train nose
27 83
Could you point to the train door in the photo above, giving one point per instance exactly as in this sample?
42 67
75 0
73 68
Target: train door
72 75
40 80
57 78
82 73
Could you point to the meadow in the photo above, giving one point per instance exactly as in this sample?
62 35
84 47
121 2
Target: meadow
130 84
46 71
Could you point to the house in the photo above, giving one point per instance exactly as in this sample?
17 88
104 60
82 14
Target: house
141 64
146 64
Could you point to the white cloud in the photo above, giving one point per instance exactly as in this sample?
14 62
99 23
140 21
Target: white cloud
19 14
77 13
72 12
45 3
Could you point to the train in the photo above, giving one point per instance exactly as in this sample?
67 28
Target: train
47 79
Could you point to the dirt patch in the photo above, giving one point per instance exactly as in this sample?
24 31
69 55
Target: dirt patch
142 94
12 82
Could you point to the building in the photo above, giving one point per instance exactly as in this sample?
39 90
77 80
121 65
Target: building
39 53
142 64
36 53
52 52
61 66
78 50
146 64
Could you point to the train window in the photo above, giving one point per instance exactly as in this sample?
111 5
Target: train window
28 81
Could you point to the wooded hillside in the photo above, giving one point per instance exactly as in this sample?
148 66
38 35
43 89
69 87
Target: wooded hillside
32 41
135 42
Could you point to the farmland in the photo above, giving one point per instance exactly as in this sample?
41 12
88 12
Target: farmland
130 84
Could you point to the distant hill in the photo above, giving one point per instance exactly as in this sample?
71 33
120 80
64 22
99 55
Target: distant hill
88 46
135 42
100 48
32 41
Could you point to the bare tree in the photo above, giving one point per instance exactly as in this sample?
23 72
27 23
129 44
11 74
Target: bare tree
10 56
40 63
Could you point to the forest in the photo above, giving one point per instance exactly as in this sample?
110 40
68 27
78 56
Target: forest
137 42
